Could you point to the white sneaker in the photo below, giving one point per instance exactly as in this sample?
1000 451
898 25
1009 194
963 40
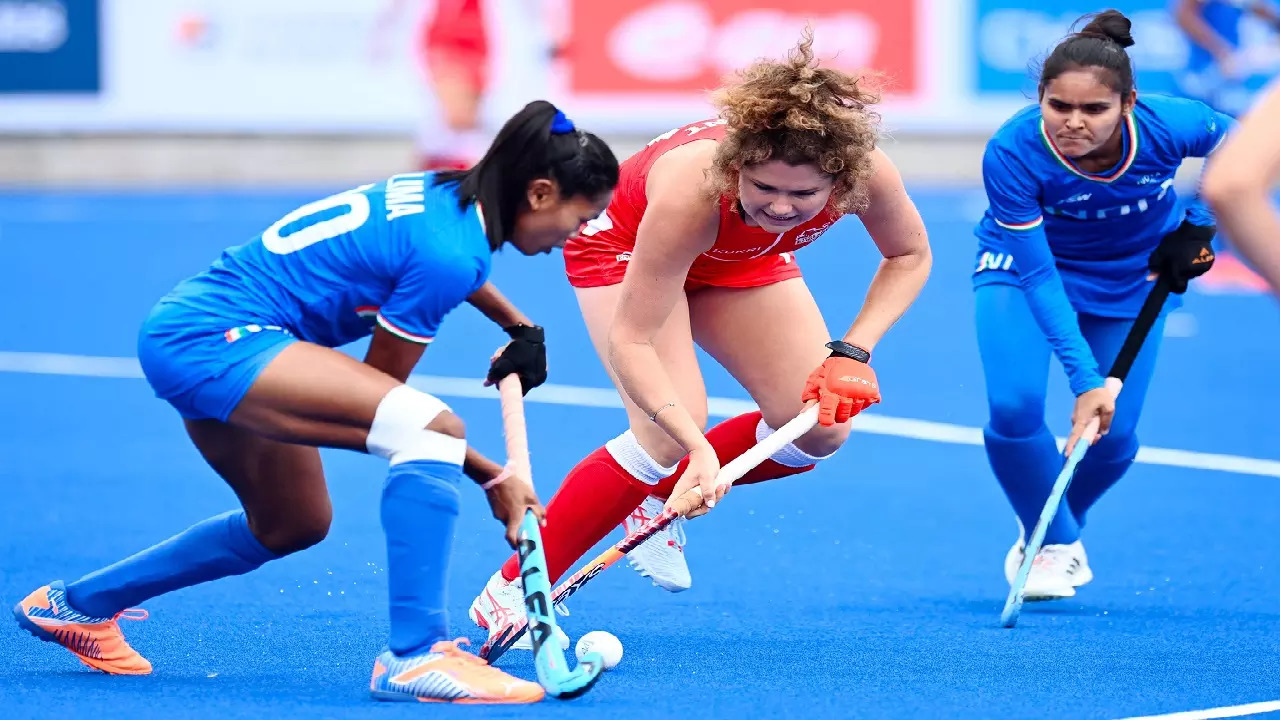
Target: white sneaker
1013 558
501 603
661 557
1055 573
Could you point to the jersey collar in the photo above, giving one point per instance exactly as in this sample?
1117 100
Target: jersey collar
1130 135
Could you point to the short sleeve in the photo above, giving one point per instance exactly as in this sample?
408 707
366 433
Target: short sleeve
427 290
1197 129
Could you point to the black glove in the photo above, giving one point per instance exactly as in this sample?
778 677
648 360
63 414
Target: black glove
525 355
1183 254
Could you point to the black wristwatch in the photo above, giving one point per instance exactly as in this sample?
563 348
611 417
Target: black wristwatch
844 349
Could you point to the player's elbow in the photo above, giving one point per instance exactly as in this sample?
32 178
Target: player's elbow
1224 186
1033 278
1241 171
624 337
625 353
917 257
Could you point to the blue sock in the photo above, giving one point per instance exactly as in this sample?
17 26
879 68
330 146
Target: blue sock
1026 469
419 510
1101 468
220 546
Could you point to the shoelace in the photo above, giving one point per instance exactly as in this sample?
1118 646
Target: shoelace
1053 556
677 531
675 527
559 608
504 617
451 648
132 614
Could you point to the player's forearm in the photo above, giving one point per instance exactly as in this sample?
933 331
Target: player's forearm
1267 12
480 468
1236 184
1200 32
1047 298
1247 217
895 287
496 307
640 372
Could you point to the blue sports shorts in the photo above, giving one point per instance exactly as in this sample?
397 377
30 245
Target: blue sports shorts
201 363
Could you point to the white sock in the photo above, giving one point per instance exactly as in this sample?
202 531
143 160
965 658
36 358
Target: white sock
627 451
790 455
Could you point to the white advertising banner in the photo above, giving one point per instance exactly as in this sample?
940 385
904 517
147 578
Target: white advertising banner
634 66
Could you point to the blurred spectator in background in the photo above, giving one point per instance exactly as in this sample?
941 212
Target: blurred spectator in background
481 60
1217 70
454 47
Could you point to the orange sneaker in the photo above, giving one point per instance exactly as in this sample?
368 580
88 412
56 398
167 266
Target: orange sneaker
447 674
98 642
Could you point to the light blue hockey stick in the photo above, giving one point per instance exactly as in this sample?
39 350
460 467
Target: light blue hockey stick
554 673
1115 381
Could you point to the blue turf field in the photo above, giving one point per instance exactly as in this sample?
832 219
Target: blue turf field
870 588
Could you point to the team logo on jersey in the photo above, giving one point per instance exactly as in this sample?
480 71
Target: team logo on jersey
808 236
713 252
994 261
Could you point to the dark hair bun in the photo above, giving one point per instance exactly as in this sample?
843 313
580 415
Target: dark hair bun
1111 24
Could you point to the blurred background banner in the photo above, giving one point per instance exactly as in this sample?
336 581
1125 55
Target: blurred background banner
1010 37
236 66
664 54
49 46
336 90
624 66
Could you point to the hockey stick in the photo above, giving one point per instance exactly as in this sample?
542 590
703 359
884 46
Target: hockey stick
1115 381
548 658
730 473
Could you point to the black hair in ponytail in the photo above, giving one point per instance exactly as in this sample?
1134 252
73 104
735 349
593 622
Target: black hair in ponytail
537 142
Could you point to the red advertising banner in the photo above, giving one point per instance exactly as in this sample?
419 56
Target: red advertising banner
678 47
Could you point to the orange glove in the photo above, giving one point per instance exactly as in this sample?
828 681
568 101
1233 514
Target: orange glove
842 385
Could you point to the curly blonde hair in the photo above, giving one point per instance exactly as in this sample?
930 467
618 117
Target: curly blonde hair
799 113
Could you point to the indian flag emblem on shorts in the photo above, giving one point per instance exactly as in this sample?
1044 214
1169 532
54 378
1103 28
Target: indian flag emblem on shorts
236 333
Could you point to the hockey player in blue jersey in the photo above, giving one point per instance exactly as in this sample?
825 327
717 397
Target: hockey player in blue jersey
244 352
1082 213
1217 72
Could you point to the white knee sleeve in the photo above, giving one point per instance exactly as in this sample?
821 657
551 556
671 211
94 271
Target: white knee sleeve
633 458
399 432
790 455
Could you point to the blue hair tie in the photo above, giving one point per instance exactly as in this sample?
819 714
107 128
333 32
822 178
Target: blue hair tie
561 125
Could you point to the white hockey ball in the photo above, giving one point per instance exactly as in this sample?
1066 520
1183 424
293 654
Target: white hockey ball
605 643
